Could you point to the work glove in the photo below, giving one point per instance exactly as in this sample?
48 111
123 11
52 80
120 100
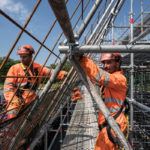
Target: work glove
76 94
62 74
90 68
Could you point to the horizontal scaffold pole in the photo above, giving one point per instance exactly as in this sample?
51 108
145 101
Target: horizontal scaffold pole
142 106
107 48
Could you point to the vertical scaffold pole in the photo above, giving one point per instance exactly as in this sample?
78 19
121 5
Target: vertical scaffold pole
131 74
142 12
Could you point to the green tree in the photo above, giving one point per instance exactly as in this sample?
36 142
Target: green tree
5 68
66 67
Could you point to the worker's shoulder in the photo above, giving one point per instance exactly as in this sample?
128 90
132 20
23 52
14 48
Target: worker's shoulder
37 65
16 65
119 74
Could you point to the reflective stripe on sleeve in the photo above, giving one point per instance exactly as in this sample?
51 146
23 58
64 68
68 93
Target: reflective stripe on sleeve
21 84
8 90
114 100
13 111
106 81
100 74
10 83
113 110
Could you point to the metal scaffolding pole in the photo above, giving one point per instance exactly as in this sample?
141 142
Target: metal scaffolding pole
144 33
101 20
136 67
107 20
89 16
101 105
142 13
131 75
107 48
143 107
33 110
57 97
20 33
60 11
101 27
48 85
101 34
112 32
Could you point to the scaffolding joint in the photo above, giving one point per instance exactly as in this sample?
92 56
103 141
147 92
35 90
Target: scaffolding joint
72 49
69 48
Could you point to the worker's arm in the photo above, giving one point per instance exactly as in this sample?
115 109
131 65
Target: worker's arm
10 86
100 76
76 94
12 100
61 75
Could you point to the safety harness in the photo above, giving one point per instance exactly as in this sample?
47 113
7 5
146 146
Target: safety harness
28 85
19 92
111 137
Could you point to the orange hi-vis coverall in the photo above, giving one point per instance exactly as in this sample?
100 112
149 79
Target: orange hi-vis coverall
26 84
21 88
114 94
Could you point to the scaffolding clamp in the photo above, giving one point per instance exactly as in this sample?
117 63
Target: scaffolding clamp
70 49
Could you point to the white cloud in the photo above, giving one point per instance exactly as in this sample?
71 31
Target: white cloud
16 9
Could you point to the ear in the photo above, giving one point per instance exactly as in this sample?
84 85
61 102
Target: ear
117 65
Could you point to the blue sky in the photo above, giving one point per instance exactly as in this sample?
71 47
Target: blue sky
19 10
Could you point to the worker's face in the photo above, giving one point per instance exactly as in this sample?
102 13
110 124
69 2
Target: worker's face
110 65
26 59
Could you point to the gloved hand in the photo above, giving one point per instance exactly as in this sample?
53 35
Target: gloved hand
90 68
76 94
62 74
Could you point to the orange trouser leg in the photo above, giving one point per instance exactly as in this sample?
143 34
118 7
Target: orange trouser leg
103 142
13 108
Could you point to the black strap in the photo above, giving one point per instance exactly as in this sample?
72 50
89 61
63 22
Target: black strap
29 84
112 138
101 126
105 124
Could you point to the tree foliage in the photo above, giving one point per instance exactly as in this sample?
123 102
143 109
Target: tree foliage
66 67
5 68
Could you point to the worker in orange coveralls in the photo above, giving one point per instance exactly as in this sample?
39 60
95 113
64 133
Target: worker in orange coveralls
20 90
113 86
76 95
